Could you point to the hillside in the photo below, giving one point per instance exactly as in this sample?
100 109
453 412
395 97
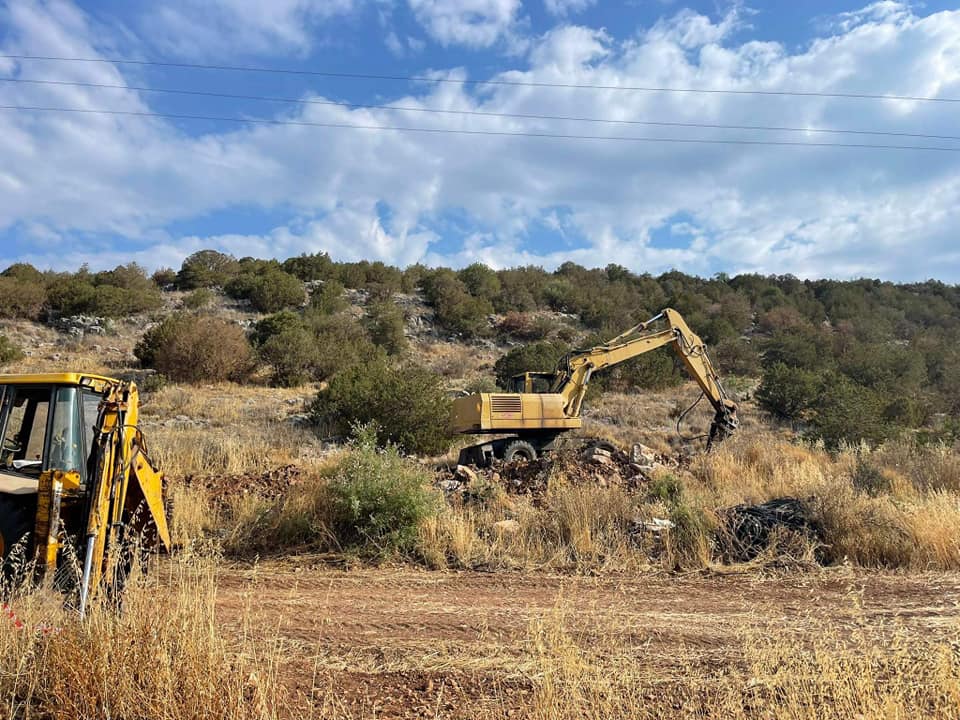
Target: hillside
253 372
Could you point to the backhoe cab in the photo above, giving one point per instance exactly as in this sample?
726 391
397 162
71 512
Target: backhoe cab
540 406
74 472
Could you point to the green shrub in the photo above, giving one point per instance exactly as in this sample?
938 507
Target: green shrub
276 290
536 357
71 295
207 268
25 272
481 281
846 412
196 348
386 326
405 404
275 324
455 308
164 278
310 267
268 290
292 353
328 299
788 392
125 290
379 498
199 298
21 298
341 342
8 351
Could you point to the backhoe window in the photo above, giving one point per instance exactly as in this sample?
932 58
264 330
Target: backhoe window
91 410
66 439
25 429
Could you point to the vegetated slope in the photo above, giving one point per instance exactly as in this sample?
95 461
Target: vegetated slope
244 348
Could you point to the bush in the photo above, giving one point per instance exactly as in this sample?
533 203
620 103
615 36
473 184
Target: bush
164 278
845 412
328 298
21 298
196 348
292 353
276 290
537 357
207 268
788 392
8 351
125 290
199 298
386 326
379 499
454 307
341 342
406 405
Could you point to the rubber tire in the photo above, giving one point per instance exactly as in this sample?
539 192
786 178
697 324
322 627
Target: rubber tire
15 522
519 450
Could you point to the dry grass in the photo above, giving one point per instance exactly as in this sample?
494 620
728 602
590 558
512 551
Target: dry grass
820 672
165 655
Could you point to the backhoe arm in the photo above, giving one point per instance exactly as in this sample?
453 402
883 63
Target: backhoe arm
126 492
575 370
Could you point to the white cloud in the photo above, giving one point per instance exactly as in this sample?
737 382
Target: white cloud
212 28
475 23
72 181
567 7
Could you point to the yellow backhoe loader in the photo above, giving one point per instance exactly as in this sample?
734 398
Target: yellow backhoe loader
543 405
77 487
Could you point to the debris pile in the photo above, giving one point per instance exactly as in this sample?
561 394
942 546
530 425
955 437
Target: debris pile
598 463
747 530
270 485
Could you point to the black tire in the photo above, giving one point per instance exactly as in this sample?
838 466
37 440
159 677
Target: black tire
16 528
519 450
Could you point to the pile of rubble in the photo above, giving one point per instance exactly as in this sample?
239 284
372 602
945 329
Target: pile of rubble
598 463
270 485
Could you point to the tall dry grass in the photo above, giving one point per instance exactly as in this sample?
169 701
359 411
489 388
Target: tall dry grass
896 506
817 672
163 654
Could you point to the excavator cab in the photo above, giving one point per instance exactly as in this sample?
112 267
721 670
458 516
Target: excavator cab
532 382
73 471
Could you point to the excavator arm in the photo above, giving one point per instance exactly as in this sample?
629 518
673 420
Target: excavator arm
126 494
576 369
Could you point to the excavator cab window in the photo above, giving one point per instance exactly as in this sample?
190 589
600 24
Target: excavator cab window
531 382
26 411
42 429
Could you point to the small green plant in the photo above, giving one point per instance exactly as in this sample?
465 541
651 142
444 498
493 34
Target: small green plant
8 351
379 498
199 298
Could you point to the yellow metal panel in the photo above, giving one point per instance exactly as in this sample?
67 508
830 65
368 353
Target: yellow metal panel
68 378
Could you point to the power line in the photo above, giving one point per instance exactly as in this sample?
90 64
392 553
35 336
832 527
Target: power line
479 113
518 83
499 133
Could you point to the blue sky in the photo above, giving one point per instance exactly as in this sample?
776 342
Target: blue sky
108 189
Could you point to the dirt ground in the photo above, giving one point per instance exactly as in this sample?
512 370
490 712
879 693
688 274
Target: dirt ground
402 642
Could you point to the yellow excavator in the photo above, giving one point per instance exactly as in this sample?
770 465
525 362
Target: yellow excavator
543 405
77 488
